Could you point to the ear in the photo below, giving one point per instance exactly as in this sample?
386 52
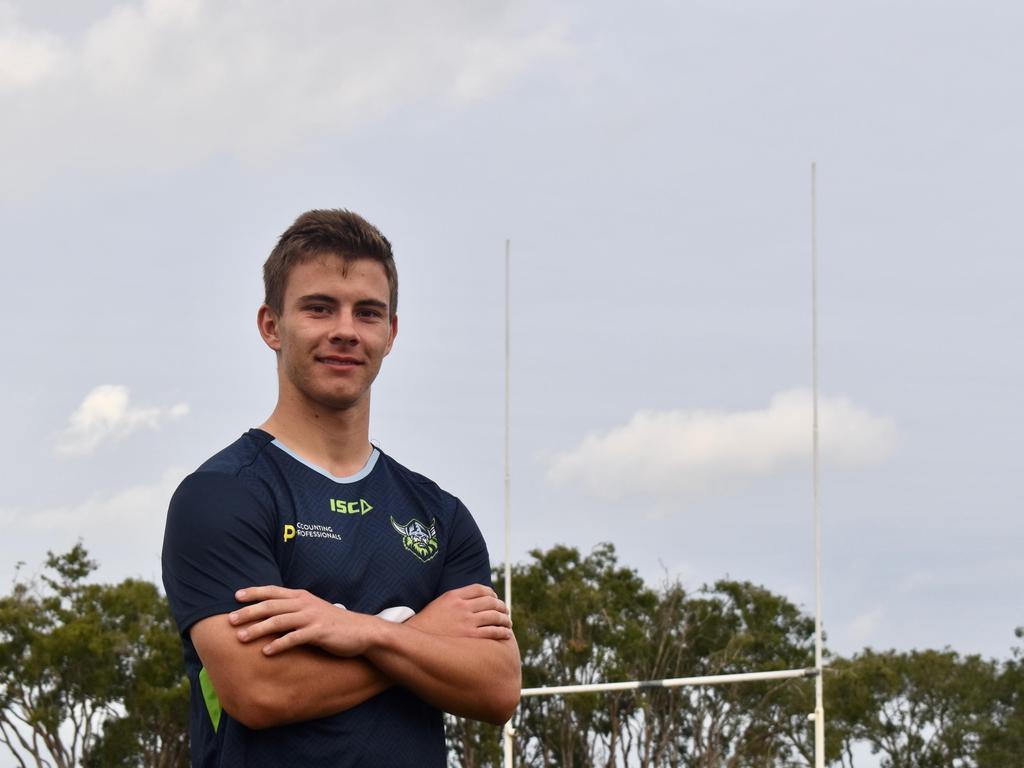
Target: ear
267 322
394 332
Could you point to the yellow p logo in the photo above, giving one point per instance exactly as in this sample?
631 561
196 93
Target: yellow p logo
289 532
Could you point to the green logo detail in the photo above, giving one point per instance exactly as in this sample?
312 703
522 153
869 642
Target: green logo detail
343 507
418 538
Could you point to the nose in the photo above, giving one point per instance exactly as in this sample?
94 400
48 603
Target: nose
343 332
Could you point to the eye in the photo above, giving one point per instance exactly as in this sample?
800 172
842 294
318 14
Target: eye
373 314
318 309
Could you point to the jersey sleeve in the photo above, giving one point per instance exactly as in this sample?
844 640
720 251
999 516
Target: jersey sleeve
467 561
219 538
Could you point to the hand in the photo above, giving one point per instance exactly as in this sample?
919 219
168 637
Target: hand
301 618
470 611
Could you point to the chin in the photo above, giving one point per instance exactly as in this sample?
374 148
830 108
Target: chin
329 395
338 402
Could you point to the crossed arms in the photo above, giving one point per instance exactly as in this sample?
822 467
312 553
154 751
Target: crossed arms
289 656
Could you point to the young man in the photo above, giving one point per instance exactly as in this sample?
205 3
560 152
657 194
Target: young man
294 558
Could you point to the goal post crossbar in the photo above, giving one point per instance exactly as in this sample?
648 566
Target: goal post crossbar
671 682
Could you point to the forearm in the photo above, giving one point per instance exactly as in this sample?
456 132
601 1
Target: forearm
458 653
262 691
309 684
470 677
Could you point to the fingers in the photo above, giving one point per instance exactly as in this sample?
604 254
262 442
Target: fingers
271 601
280 644
493 633
275 625
492 619
262 610
268 592
470 591
284 643
479 604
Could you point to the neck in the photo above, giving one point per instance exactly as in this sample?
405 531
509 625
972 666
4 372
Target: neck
337 440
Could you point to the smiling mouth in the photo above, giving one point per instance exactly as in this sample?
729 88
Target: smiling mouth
340 362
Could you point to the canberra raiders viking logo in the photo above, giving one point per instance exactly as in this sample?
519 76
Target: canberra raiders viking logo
418 538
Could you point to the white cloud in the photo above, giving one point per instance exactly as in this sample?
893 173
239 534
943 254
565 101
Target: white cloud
491 63
682 454
27 57
106 414
162 83
122 531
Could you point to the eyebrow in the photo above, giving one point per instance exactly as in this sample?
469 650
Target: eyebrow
323 298
372 303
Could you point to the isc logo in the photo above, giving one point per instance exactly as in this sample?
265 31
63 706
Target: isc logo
343 507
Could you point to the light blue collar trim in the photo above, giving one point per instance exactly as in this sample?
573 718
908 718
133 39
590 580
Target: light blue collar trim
367 467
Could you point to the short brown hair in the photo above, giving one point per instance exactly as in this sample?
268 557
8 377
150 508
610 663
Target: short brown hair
327 232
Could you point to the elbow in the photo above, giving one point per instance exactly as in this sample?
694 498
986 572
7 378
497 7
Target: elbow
252 717
505 697
256 717
256 706
503 707
493 701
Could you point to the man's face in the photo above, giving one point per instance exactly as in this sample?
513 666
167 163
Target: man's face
334 330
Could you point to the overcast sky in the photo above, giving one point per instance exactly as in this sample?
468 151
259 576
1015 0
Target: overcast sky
650 163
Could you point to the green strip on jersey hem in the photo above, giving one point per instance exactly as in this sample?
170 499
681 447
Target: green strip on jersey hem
210 697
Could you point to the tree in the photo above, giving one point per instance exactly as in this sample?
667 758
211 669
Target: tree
576 617
91 675
585 618
582 619
734 627
919 709
88 670
152 730
1002 740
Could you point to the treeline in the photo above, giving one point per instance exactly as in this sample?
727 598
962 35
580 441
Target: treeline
586 619
92 676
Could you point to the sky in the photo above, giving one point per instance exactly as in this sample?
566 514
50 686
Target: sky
650 165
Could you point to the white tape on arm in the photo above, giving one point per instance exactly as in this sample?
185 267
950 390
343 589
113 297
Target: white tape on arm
395 614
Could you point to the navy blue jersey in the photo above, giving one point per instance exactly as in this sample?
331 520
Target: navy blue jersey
258 514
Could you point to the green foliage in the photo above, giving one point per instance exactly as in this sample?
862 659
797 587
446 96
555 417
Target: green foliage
92 673
584 619
580 620
1002 741
922 709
